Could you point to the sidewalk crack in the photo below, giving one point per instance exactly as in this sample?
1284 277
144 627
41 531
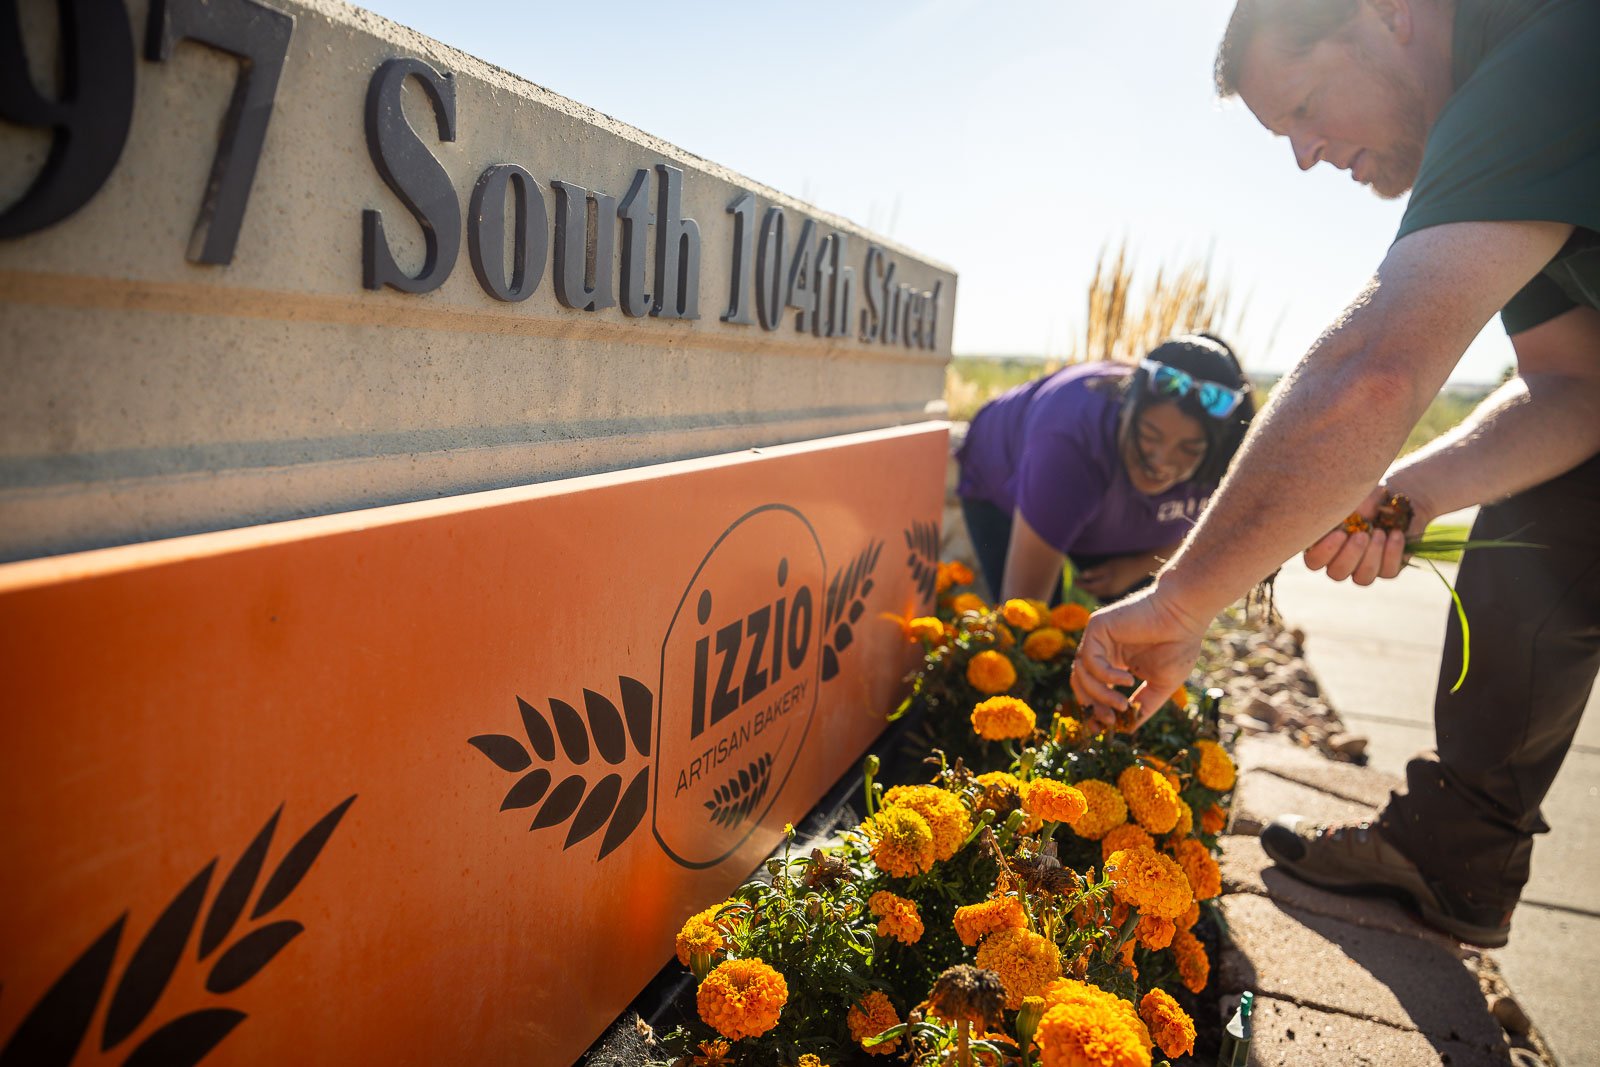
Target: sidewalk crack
1288 776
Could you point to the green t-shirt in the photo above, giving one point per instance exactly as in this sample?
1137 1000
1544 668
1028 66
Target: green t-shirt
1520 140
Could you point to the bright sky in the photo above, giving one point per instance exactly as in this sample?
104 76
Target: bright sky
1010 139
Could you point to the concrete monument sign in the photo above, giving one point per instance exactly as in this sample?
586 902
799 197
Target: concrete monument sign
262 259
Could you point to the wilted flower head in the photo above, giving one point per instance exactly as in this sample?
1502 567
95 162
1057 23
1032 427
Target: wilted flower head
964 992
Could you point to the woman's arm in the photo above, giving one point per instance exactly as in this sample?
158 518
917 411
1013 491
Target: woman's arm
1120 573
1033 565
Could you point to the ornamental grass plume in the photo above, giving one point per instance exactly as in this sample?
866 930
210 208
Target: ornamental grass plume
1085 1026
1150 798
1055 801
1217 771
926 628
1106 809
1025 962
1170 1026
947 818
1200 867
973 922
1045 643
871 1016
1128 835
991 673
1021 614
901 842
742 998
1147 880
1069 618
897 917
1003 719
1194 966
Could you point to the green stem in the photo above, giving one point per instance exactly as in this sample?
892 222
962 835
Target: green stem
1461 617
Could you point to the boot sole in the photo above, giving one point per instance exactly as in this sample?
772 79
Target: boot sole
1428 914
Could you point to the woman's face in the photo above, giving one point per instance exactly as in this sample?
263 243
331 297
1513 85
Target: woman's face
1162 447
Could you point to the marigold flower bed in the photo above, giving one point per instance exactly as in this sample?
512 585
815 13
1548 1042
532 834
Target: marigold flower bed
1035 900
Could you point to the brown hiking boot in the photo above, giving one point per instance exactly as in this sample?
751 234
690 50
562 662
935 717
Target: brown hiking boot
1357 858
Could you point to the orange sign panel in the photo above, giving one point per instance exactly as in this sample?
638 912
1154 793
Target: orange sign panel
434 783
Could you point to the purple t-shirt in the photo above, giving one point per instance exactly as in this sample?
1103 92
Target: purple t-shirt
1049 447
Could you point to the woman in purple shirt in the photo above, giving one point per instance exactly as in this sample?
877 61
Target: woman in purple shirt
1102 463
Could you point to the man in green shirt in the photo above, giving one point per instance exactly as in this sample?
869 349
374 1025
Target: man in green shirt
1489 110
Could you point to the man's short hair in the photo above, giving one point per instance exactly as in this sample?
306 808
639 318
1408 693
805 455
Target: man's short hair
1302 22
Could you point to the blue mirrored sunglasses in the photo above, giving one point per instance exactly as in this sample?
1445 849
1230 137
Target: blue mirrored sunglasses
1216 399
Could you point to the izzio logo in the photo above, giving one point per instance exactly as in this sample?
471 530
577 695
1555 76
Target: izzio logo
740 667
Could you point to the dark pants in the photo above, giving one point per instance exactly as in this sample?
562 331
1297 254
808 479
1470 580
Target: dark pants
1470 809
989 527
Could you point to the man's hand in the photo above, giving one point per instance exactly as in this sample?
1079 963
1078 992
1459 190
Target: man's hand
1366 556
1144 638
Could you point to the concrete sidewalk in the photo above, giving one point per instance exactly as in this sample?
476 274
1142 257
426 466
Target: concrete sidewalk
1376 652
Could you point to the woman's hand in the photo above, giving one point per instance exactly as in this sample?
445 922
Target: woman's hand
1119 574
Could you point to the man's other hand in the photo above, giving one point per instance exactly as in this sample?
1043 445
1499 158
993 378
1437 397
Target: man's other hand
1146 639
1365 556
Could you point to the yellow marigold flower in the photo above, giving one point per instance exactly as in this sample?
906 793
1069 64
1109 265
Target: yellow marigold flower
1003 719
927 628
1170 1026
1180 697
810 1059
1002 635
1199 867
948 820
1147 880
966 602
699 934
902 843
713 1054
1055 801
1084 1026
1071 731
1025 962
976 921
871 1016
1185 824
1069 617
1213 819
1021 614
1194 968
1128 835
1150 797
991 672
1107 810
1216 767
897 917
1154 933
1045 643
742 998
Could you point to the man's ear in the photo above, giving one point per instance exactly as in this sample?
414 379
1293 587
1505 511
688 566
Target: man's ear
1395 16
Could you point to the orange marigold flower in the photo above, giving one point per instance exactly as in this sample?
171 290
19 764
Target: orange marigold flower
942 579
927 628
902 843
1107 810
948 820
1194 967
713 1054
1154 933
1216 767
1354 523
965 602
1025 962
897 917
1128 835
1170 1026
1003 719
1145 879
1084 1026
810 1059
1055 801
1185 824
742 998
871 1016
1045 643
976 921
1021 614
1127 958
1190 917
1199 867
1072 731
991 672
952 574
1069 617
1151 798
1180 697
1213 820
700 933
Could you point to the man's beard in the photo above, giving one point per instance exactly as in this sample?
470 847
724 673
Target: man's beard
1395 168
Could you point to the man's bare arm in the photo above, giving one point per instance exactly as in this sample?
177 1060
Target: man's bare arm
1341 416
